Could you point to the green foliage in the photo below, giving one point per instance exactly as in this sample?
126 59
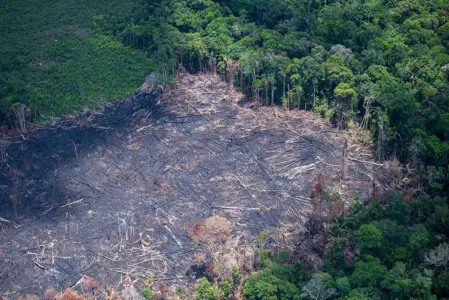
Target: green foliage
394 236
204 290
281 257
335 263
356 297
263 236
369 236
440 285
400 256
368 273
235 277
225 289
371 212
418 240
343 285
98 63
147 294
266 285
381 63
52 62
397 210
398 282
276 281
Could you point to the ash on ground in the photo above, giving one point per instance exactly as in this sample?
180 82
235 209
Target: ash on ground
166 185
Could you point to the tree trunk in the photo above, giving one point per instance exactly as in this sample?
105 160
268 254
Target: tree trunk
299 99
19 113
266 93
283 88
314 92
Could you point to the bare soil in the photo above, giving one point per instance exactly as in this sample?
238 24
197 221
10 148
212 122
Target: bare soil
163 184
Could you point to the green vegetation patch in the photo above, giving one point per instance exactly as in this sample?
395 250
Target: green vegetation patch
87 72
53 62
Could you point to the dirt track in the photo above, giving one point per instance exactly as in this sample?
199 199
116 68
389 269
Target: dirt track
116 194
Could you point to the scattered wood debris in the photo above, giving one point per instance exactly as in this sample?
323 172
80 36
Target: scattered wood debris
141 173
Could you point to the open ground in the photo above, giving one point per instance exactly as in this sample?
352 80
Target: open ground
172 186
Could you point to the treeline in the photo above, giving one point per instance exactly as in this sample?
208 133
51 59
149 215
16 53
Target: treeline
383 65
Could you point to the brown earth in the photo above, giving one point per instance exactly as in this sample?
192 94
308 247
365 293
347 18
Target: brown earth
161 186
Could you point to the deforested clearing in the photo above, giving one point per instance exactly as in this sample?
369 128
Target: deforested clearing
171 185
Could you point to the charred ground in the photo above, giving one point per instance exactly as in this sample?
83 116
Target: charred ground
161 185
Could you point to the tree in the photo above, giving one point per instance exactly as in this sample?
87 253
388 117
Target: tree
196 51
439 257
368 273
313 73
274 282
393 234
398 282
204 291
369 92
297 90
356 297
19 112
343 285
440 285
422 284
418 240
343 52
364 294
369 236
337 72
344 95
320 287
398 209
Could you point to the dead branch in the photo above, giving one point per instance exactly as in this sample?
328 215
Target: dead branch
5 221
236 208
366 162
71 203
172 235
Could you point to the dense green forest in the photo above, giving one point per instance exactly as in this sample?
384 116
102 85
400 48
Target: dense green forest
53 63
379 64
382 65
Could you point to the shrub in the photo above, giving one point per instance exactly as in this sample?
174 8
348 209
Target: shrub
147 294
225 289
204 291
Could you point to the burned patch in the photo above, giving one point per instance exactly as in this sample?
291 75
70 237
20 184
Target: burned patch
117 195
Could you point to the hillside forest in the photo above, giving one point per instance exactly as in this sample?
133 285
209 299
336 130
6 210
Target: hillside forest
380 65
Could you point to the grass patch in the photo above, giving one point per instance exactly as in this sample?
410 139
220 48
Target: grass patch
53 62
